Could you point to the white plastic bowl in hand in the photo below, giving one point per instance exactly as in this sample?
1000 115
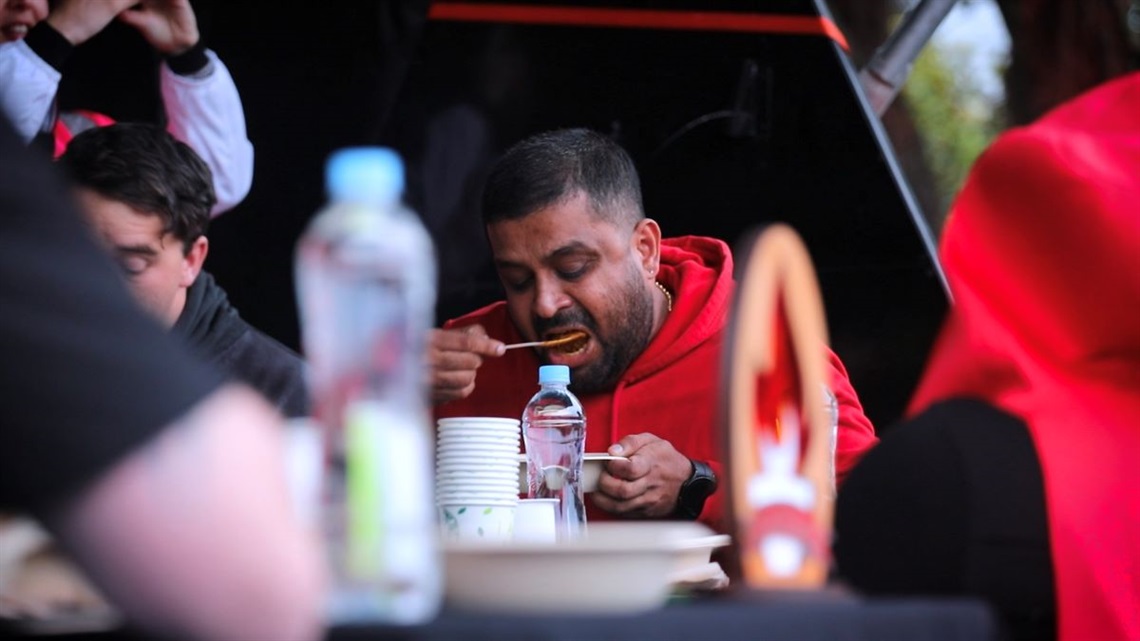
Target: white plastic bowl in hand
593 464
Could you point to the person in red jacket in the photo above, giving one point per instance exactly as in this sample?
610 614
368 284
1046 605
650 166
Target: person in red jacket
575 251
1014 477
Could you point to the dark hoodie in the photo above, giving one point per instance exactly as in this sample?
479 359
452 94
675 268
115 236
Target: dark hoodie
214 329
671 390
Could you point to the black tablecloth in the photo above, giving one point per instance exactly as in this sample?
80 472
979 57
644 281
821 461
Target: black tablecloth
822 616
826 616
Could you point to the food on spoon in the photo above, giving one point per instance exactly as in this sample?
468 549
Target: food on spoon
568 343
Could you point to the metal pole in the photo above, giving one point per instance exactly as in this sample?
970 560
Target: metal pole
884 75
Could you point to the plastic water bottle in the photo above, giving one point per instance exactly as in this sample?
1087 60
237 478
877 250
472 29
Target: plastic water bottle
554 430
366 279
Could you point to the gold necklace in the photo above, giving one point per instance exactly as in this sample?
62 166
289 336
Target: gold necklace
668 296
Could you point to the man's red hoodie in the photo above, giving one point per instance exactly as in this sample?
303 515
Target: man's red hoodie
671 390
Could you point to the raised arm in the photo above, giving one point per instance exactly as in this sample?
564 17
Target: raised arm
203 107
28 85
30 69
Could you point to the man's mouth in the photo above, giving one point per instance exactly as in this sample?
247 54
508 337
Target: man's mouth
568 343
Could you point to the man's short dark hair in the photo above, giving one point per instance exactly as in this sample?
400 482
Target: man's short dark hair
142 165
547 168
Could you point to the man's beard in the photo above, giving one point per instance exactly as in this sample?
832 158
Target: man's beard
631 320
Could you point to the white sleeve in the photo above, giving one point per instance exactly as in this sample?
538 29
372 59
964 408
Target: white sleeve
28 85
206 113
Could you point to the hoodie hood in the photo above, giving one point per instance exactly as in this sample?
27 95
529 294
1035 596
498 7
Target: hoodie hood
698 272
1042 253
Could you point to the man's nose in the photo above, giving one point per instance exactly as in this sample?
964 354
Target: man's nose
549 298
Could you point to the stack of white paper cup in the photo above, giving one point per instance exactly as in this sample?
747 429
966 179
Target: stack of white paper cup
476 477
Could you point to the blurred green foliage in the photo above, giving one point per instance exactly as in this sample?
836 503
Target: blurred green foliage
956 120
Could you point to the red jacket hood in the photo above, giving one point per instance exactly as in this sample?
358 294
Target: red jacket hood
1042 253
698 271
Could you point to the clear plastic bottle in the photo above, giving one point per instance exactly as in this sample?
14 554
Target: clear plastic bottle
554 430
366 288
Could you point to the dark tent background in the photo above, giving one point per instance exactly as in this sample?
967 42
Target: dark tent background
730 129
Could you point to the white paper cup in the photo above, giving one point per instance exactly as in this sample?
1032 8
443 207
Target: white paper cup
477 522
482 435
474 461
500 427
459 496
507 449
514 444
476 479
457 462
452 484
535 521
496 450
478 420
447 495
475 471
501 448
465 493
459 480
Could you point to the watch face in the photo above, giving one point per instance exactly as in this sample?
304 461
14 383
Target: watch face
694 492
701 486
703 478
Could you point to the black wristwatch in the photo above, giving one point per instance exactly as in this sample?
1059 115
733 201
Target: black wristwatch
699 486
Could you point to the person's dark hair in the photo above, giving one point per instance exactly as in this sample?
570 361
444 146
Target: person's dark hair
143 166
550 167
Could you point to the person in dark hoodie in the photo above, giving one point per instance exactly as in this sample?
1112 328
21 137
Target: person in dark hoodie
158 480
575 251
148 198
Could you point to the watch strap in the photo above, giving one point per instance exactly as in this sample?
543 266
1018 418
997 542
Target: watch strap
695 491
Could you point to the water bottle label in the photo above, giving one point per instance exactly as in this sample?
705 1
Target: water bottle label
388 485
364 488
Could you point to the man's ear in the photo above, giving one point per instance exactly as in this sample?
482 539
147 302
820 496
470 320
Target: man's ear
647 243
193 260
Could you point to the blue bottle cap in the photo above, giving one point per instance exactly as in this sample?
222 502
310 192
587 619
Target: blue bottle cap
553 374
373 175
